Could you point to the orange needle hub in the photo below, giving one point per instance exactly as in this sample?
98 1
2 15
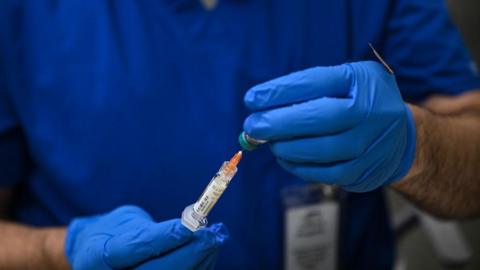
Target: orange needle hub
232 164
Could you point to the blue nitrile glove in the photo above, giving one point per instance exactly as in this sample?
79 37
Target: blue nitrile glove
345 125
201 253
128 238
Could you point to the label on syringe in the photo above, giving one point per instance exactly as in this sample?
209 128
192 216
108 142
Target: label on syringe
211 194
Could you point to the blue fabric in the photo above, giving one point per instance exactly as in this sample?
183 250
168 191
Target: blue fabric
344 125
422 45
139 102
127 237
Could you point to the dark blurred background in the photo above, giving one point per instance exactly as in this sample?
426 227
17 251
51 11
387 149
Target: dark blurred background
466 14
420 243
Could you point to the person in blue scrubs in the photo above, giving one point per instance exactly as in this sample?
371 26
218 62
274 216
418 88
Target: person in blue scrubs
115 114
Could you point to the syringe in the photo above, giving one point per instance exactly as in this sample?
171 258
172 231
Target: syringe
194 216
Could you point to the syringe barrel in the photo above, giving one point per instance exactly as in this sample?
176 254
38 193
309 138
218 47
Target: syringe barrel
194 216
213 191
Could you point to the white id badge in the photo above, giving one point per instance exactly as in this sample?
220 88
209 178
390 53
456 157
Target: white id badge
311 225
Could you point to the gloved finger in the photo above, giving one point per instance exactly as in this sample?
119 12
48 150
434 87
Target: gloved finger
316 117
136 246
300 86
380 168
351 174
323 149
205 243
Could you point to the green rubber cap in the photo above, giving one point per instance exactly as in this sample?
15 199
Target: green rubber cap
245 144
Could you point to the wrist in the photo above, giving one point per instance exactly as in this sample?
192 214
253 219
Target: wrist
424 122
53 243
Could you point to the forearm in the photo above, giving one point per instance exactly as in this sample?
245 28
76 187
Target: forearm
23 247
445 177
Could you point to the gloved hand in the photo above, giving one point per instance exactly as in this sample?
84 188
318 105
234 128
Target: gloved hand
127 237
345 125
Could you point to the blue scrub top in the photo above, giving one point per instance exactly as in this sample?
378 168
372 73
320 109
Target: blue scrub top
107 103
